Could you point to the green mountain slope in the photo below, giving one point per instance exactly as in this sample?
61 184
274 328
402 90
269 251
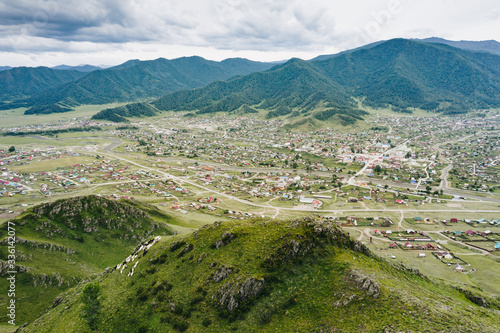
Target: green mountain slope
121 113
20 82
263 275
142 79
59 244
294 85
398 73
405 73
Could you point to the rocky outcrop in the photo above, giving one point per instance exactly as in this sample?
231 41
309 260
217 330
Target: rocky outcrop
479 300
40 245
221 273
290 251
233 294
6 267
363 283
225 239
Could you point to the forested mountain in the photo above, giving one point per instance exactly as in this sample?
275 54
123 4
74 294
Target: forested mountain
266 275
4 68
136 80
20 82
399 73
405 73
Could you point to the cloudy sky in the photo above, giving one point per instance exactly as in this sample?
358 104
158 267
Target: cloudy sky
73 32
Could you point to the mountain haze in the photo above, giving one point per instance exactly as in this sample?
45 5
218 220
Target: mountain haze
81 68
485 45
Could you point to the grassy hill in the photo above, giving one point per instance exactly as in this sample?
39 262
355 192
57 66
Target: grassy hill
121 113
263 275
60 244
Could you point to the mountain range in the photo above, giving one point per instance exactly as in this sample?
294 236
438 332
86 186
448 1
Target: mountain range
81 68
486 45
399 74
22 82
135 80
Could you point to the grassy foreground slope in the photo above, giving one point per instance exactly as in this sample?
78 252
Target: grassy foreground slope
263 275
62 243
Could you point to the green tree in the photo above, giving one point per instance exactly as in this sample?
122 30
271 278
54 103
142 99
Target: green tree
12 149
378 169
92 305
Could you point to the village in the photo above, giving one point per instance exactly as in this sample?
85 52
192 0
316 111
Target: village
411 188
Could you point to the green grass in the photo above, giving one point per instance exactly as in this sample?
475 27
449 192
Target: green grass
174 287
52 164
7 328
60 253
17 118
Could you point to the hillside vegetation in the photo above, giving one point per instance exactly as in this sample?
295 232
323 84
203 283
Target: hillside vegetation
21 82
135 80
264 275
121 113
398 74
62 243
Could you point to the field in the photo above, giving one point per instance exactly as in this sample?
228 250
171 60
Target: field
17 118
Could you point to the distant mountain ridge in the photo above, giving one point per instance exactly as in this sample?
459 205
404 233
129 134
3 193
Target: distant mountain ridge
485 45
491 46
411 74
399 74
137 79
81 68
295 84
21 82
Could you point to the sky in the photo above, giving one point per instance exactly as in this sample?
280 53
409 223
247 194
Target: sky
110 32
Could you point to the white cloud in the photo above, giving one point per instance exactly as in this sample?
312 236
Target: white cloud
44 31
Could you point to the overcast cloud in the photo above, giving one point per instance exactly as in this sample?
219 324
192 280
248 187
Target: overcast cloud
51 32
